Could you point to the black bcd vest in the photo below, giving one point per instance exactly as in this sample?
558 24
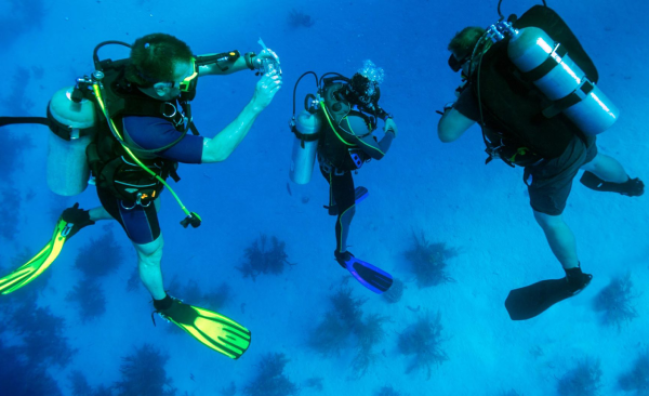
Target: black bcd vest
114 170
512 107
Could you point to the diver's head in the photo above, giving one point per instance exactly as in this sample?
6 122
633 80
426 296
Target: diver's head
363 87
462 46
161 65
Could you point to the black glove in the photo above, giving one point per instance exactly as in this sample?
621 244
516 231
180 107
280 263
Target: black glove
76 219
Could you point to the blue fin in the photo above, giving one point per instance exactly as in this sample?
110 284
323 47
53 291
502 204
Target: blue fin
369 276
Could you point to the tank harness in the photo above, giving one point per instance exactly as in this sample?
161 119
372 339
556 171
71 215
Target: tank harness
128 172
502 90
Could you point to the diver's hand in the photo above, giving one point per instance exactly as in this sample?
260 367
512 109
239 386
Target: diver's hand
264 58
265 91
258 60
390 126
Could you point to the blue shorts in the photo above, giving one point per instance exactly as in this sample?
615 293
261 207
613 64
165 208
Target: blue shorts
140 223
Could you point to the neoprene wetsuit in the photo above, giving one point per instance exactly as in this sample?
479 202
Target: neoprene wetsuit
141 222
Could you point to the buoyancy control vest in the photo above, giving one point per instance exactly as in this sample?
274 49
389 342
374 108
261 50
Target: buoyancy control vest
342 125
512 107
113 169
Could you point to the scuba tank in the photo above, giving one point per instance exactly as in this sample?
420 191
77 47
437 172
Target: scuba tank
72 118
563 82
549 67
306 128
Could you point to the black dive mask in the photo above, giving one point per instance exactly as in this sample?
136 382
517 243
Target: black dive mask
456 65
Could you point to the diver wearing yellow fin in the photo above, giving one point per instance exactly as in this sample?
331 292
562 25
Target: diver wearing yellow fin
137 115
71 221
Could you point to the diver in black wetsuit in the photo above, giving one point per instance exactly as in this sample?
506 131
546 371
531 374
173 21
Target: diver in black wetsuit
349 113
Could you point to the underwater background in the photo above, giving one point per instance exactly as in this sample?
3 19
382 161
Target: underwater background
84 327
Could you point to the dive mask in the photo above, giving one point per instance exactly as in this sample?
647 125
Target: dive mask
187 87
455 64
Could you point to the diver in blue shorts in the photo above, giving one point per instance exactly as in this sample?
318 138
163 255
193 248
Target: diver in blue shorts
143 116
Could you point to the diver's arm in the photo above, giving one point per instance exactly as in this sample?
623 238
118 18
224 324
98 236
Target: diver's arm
391 131
220 147
452 125
386 142
232 62
377 150
371 147
223 68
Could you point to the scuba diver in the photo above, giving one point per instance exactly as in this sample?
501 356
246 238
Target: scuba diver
531 87
338 125
128 124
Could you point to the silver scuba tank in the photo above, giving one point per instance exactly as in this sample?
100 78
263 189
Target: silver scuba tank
67 167
306 129
534 52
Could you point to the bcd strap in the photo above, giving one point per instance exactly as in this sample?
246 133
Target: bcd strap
173 171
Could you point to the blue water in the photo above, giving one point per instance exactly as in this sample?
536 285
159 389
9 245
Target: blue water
422 186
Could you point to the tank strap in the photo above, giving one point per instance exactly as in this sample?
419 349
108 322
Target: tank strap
572 99
311 137
546 67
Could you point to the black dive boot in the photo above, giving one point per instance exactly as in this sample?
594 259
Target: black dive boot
630 188
577 280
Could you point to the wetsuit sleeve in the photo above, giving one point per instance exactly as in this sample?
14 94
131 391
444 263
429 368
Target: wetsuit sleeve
376 150
151 133
467 104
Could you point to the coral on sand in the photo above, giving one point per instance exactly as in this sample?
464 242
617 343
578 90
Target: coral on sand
422 340
614 302
264 258
636 381
330 336
271 380
387 391
100 257
346 325
90 299
428 261
143 374
583 380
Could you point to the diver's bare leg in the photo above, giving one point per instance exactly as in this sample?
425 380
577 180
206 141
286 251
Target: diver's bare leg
607 169
149 259
560 238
